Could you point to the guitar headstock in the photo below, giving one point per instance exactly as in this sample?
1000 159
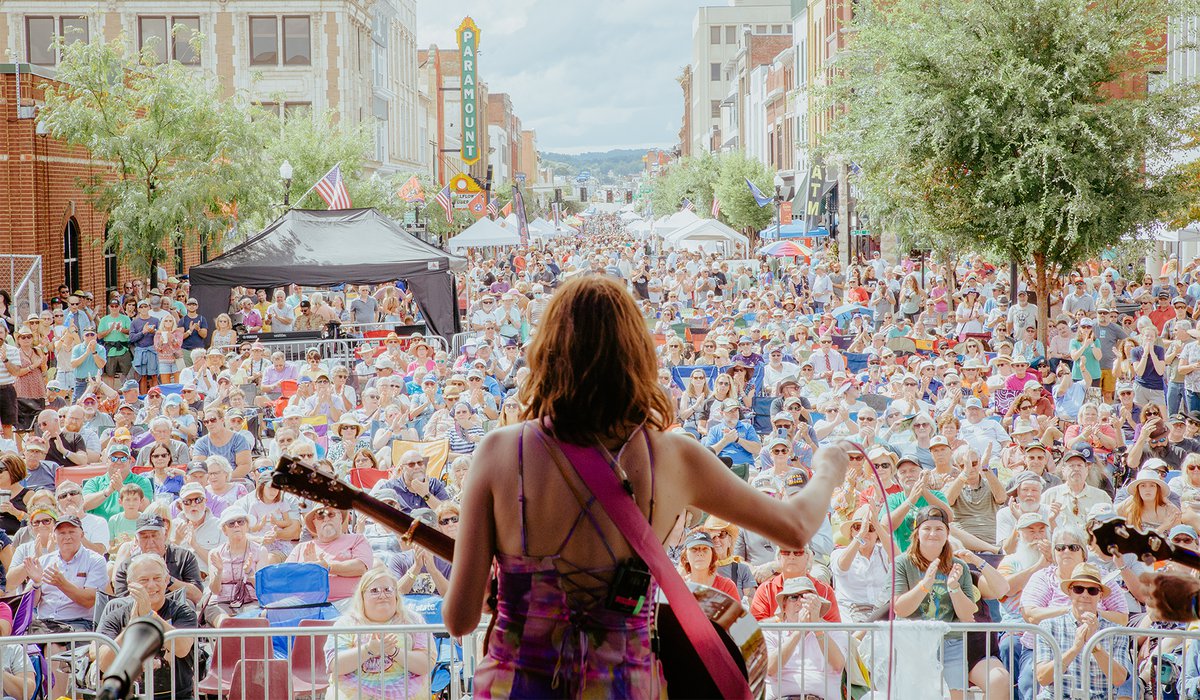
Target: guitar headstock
305 481
1115 536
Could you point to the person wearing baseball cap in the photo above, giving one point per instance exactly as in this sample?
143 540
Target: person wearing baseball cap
916 495
1075 497
74 574
734 438
932 584
699 564
39 471
101 493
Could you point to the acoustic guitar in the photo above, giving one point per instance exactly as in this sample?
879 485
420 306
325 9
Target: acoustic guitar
684 670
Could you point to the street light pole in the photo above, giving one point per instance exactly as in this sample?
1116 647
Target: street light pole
285 174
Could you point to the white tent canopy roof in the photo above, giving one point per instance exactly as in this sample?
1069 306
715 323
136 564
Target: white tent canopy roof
704 230
484 233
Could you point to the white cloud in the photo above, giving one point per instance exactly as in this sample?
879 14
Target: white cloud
587 76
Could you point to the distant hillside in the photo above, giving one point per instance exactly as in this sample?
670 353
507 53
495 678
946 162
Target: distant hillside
607 166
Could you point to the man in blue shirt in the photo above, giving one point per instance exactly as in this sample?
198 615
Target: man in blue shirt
87 361
412 485
733 438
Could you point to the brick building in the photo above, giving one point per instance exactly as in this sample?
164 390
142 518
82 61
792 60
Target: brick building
44 212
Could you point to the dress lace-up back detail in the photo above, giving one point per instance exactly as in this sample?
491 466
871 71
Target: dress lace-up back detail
554 637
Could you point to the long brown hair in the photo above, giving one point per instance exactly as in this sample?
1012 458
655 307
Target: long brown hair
945 557
593 371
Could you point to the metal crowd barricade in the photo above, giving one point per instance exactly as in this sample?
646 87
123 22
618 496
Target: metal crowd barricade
340 349
875 638
260 672
44 653
1162 675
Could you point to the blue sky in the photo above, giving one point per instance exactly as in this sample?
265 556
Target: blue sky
586 75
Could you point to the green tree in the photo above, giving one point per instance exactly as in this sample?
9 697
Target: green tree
738 207
179 152
1009 127
691 178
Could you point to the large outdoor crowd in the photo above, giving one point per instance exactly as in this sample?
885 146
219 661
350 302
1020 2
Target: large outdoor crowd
139 438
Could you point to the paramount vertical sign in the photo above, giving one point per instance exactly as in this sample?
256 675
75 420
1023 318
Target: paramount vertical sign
468 46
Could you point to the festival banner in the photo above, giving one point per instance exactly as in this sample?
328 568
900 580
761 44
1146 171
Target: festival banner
411 191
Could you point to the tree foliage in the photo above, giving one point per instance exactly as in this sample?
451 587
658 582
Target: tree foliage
1011 127
178 151
738 207
691 178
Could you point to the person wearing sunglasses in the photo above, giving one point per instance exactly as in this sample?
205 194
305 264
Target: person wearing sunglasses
100 493
1073 628
1044 597
346 554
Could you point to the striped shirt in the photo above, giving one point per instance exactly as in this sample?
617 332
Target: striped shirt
13 355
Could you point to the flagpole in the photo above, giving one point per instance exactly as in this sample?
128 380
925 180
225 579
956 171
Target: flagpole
314 185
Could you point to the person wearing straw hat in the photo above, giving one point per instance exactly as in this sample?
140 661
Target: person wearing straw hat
862 570
1072 630
347 555
813 672
1148 506
724 535
350 439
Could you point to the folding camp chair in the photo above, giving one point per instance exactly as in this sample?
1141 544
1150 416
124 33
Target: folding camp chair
291 592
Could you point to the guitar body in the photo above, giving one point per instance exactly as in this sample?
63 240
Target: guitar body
738 630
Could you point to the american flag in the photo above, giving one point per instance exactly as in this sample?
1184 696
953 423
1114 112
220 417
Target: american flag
716 208
443 198
332 189
494 207
687 205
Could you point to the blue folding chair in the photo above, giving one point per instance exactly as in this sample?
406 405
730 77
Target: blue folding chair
291 592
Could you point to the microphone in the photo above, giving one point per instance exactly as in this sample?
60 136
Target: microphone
143 638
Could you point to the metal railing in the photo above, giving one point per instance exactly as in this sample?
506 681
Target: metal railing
293 662
868 659
54 656
22 277
1171 670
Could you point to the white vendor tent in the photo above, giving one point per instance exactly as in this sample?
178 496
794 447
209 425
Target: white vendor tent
484 233
706 234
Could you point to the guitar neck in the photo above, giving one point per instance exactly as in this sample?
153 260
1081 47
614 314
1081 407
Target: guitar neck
304 480
1181 555
398 521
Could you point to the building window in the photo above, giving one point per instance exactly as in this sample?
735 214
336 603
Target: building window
152 35
297 41
292 110
110 264
731 34
714 35
40 35
181 42
716 109
264 40
71 254
714 70
179 255
777 29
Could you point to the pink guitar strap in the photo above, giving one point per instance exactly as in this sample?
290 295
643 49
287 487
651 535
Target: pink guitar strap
595 472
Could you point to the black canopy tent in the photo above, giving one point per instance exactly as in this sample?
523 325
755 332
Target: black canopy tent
328 248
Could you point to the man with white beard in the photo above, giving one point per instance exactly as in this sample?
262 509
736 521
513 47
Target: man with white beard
1025 496
1032 554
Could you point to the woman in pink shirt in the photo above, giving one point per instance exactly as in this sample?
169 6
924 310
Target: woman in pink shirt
168 343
